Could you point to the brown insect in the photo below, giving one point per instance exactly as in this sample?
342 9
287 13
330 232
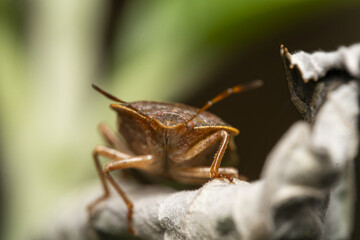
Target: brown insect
169 140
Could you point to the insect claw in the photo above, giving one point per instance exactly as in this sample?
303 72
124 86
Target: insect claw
222 176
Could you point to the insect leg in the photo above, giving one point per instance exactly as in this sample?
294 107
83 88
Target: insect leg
120 161
134 162
112 139
112 154
202 145
214 168
199 175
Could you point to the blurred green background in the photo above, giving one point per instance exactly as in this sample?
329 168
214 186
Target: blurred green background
180 51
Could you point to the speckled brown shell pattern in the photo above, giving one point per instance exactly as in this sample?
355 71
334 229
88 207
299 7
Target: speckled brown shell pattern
174 113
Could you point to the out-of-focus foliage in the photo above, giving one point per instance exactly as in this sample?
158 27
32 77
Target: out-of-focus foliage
168 45
49 56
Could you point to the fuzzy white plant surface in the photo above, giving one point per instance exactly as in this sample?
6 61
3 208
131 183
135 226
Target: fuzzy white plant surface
314 66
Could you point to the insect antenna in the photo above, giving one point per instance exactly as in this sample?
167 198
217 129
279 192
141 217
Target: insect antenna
106 94
111 97
236 89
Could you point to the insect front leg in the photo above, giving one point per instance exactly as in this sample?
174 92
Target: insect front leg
204 144
112 139
214 169
119 161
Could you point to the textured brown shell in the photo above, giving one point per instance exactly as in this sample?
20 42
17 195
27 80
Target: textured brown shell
172 114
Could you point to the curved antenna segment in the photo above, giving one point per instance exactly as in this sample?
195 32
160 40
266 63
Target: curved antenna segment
111 97
236 89
106 94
